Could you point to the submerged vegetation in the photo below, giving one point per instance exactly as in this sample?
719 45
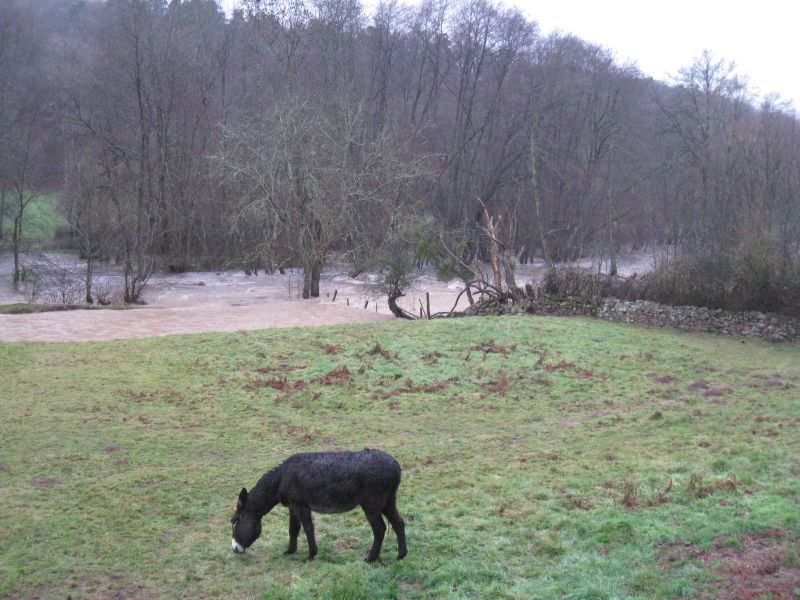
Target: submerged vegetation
542 457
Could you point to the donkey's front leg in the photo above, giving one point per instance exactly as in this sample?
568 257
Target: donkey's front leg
294 531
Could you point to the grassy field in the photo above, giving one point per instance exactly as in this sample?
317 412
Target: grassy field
543 458
40 220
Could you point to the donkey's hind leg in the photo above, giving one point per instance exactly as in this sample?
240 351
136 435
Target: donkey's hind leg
399 526
378 531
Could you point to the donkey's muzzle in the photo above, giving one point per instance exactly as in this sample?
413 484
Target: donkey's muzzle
236 547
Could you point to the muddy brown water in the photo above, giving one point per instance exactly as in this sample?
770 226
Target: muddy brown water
228 301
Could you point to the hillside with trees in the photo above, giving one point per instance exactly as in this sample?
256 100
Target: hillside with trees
303 133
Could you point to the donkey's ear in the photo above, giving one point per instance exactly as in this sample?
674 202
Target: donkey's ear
243 496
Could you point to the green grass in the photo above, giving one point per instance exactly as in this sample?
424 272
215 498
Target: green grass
22 308
40 220
121 461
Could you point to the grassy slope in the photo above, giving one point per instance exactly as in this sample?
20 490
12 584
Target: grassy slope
122 460
41 218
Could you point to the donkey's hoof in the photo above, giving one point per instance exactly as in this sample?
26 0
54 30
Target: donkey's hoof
290 551
402 554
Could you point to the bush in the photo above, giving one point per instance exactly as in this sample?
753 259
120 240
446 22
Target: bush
575 282
752 276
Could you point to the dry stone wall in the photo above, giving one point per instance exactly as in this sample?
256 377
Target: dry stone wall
690 318
694 318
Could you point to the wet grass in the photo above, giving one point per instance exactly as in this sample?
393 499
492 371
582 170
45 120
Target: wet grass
543 458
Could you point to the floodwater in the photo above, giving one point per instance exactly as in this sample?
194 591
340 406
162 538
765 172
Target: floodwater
232 301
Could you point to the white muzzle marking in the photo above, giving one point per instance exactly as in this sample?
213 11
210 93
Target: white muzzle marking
236 547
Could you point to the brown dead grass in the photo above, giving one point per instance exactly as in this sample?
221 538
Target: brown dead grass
276 383
576 500
580 372
492 347
336 376
630 494
696 487
379 351
496 386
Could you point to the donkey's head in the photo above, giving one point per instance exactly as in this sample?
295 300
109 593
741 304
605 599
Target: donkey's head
246 526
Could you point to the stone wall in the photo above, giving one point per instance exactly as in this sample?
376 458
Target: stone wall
690 318
693 318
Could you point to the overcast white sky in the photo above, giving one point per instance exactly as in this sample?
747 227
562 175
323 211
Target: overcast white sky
762 38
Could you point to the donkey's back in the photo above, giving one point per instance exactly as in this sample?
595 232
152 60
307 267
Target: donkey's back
330 482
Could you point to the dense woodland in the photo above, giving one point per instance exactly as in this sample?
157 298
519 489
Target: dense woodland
303 133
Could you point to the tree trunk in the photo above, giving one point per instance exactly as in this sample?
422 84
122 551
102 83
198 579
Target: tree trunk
494 259
469 293
89 271
548 261
493 229
2 212
612 251
306 282
16 234
396 310
508 269
316 271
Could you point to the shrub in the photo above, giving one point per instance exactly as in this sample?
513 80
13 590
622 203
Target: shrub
754 275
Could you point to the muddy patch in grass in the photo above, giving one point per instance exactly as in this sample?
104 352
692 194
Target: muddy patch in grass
112 589
700 384
45 482
757 565
716 392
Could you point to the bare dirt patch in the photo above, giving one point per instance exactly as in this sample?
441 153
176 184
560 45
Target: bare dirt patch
700 384
45 482
112 587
